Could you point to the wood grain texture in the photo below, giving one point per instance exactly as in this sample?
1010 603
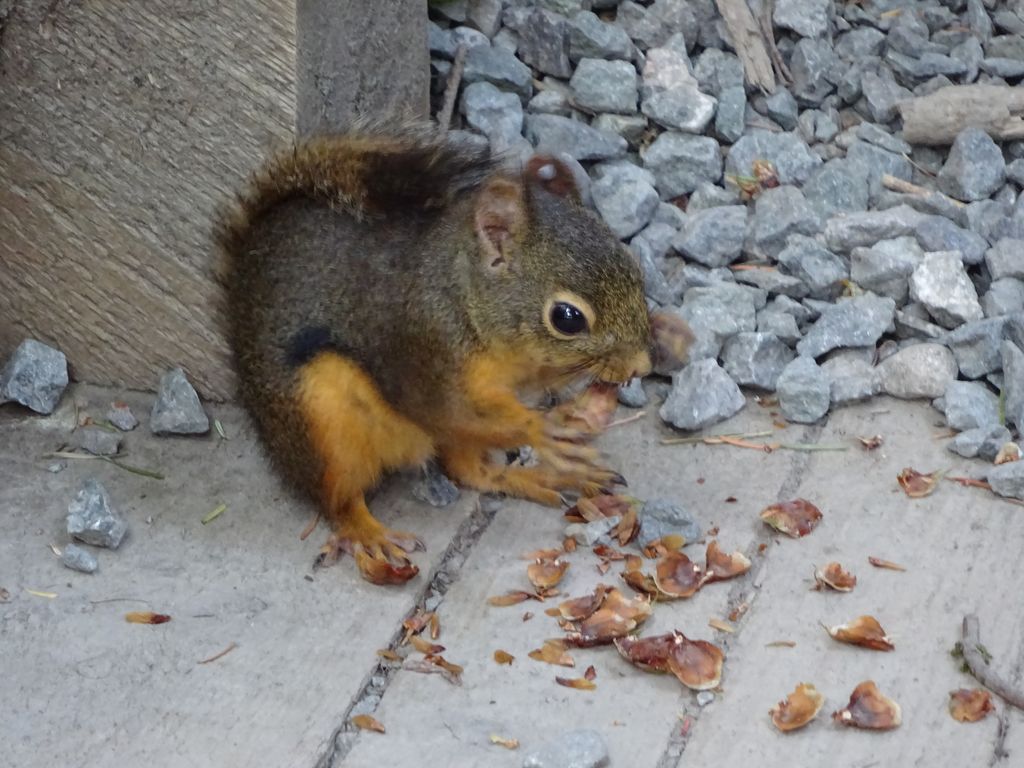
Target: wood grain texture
123 125
355 63
939 117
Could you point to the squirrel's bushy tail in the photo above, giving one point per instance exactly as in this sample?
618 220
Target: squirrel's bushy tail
369 172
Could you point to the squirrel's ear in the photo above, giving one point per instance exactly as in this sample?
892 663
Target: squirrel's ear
499 218
552 175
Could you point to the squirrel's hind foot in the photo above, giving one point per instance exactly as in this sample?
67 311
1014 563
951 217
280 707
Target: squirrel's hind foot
382 554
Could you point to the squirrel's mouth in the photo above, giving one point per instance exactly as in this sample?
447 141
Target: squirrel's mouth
621 371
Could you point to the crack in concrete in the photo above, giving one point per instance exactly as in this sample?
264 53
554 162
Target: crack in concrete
378 678
743 592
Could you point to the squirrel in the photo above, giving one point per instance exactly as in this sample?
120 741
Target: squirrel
396 297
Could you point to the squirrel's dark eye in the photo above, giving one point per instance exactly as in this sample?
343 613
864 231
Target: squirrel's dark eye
567 319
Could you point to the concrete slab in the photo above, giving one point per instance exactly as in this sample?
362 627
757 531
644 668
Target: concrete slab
961 549
83 687
636 712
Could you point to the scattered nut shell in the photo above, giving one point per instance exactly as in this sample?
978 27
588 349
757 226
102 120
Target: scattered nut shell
834 576
869 708
864 631
797 709
795 518
917 485
970 705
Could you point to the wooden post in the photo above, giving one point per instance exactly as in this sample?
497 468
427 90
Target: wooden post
125 124
359 59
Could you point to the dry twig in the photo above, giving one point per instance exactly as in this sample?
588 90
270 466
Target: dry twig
974 657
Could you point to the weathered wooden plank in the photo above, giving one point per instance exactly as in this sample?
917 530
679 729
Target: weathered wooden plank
122 126
353 63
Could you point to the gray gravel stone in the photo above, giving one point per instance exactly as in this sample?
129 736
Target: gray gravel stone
667 67
630 127
34 376
681 162
711 196
978 19
626 203
177 410
468 37
779 213
817 267
653 26
730 116
970 54
605 86
968 404
632 395
773 281
803 390
78 559
714 236
583 748
440 41
556 134
851 378
91 519
781 324
885 267
975 168
860 43
656 287
936 233
976 346
702 394
717 70
589 534
837 187
661 517
1006 47
499 68
1008 68
883 94
793 160
1008 479
851 322
941 284
485 15
544 43
121 416
498 115
914 322
1013 385
659 236
808 18
551 102
98 441
782 108
1003 297
1006 259
755 359
683 108
918 371
980 442
716 312
873 162
591 38
875 134
816 69
434 487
